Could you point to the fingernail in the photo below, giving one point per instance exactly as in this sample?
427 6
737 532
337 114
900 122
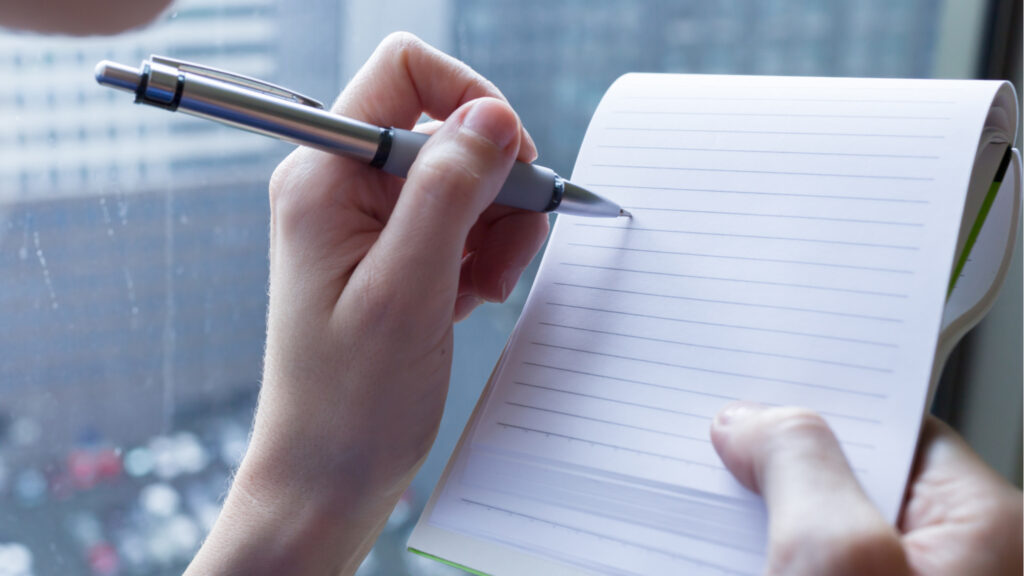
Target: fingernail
487 119
508 281
737 412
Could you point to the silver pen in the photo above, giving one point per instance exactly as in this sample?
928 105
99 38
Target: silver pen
271 110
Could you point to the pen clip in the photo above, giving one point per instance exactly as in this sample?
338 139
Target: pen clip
238 80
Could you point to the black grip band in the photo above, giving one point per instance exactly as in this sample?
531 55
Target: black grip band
556 195
383 148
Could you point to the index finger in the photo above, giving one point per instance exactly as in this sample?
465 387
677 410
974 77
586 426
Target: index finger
405 77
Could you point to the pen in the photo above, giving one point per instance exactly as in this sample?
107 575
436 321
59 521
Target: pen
271 110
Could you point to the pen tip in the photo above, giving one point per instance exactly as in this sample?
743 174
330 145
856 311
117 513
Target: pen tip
625 213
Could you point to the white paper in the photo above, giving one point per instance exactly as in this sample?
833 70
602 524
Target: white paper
790 244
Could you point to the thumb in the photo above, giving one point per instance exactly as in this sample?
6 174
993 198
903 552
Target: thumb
820 521
456 175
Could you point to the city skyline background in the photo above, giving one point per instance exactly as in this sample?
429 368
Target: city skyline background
135 239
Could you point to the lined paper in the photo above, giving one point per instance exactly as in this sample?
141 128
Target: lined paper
790 244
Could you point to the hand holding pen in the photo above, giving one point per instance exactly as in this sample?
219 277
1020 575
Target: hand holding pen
367 274
267 109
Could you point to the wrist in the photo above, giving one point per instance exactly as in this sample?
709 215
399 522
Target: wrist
279 519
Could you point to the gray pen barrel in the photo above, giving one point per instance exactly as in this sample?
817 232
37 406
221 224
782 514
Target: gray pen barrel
528 187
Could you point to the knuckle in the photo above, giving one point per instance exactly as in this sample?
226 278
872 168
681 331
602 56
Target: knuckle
787 422
447 178
278 182
483 146
788 433
399 42
296 192
283 200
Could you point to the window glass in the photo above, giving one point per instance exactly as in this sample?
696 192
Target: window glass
133 242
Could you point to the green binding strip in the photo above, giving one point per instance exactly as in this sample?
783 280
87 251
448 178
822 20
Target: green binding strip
448 562
972 237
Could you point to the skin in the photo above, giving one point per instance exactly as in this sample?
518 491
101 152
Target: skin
367 275
960 517
79 17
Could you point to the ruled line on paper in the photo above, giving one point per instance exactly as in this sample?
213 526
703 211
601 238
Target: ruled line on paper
610 445
706 441
766 99
631 381
744 258
791 216
738 280
602 536
838 389
614 400
750 236
763 151
844 416
611 422
778 132
759 193
722 348
770 172
779 115
730 505
725 325
859 445
853 417
735 303
685 529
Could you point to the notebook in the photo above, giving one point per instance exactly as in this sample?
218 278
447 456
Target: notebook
792 243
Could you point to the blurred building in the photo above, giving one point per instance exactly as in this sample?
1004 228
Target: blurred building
133 241
133 279
554 60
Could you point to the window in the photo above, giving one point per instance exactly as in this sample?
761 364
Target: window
133 242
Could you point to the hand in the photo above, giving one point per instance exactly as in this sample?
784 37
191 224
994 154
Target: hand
367 275
960 517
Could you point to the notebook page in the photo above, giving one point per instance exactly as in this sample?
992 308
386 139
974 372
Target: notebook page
791 243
